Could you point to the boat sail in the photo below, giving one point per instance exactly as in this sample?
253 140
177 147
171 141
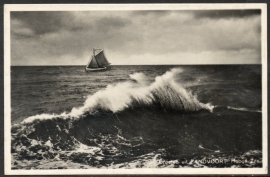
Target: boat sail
98 61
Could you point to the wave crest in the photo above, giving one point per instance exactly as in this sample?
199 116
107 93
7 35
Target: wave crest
164 91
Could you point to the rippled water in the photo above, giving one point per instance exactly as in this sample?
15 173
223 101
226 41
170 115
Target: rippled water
135 116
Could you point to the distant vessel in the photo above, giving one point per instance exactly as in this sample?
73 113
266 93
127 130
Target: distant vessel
98 61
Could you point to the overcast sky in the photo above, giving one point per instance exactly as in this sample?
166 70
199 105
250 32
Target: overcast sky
137 37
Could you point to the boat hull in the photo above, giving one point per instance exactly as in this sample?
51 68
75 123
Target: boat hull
95 69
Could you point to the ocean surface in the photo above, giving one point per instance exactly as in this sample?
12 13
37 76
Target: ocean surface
136 117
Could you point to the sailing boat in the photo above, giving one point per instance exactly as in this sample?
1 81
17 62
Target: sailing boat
98 61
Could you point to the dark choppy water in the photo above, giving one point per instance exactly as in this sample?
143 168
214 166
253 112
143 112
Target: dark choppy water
135 116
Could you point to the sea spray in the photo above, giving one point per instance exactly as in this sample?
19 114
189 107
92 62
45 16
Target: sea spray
119 96
140 78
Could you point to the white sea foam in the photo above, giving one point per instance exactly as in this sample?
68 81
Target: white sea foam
117 97
44 117
243 109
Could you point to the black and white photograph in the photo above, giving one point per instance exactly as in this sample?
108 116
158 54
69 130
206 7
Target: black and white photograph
135 89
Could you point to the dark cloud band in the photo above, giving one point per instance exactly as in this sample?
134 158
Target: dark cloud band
226 13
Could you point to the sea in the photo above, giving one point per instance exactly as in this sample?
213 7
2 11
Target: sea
144 116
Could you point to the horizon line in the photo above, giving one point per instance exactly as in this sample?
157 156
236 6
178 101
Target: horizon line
153 64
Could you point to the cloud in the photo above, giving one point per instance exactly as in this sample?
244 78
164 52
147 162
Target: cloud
68 37
20 29
50 22
217 14
42 22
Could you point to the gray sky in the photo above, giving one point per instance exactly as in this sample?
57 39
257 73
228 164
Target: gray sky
137 37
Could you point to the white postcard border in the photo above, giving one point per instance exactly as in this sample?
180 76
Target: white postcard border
104 7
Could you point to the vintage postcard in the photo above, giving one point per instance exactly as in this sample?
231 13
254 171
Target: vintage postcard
135 89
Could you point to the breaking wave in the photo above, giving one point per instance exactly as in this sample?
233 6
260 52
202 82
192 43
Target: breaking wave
138 92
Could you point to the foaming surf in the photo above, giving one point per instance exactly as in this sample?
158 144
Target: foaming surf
117 97
244 109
